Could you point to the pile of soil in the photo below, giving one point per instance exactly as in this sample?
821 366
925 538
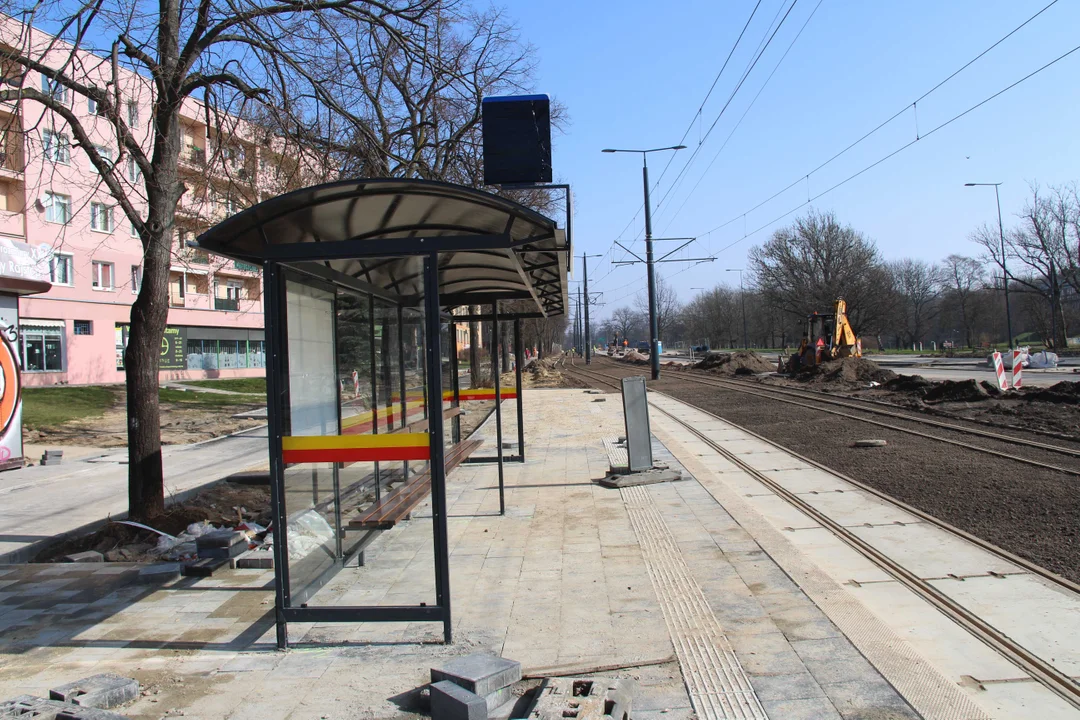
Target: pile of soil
633 356
956 391
224 505
909 384
1066 391
741 362
846 371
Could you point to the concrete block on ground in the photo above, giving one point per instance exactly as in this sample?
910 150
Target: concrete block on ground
220 539
646 477
453 702
478 673
159 573
254 560
498 698
204 567
223 553
90 556
25 707
106 690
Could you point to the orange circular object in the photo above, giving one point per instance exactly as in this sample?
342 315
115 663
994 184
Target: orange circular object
10 388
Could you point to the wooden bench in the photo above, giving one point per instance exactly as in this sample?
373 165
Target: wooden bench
396 505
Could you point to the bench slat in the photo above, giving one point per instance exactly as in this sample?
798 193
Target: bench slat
401 501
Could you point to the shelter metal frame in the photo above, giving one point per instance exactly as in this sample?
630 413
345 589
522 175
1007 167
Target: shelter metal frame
475 249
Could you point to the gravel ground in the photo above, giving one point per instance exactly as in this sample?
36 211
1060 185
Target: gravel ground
1028 511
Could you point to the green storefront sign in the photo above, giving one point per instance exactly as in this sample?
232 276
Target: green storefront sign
173 344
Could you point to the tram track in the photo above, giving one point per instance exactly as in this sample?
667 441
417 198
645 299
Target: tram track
1036 667
818 404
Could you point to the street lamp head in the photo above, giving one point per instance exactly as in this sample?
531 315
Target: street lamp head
965 184
609 150
739 270
679 147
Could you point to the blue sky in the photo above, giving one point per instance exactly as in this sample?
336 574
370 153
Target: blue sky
633 74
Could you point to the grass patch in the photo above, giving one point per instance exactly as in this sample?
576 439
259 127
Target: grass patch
48 407
242 385
186 397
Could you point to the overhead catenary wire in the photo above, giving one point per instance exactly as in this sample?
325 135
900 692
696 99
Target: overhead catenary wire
892 154
894 116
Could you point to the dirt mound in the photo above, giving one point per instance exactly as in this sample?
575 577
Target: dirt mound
1066 391
742 362
991 389
956 391
847 371
633 356
908 383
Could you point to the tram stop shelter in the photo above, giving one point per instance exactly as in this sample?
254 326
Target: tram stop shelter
364 282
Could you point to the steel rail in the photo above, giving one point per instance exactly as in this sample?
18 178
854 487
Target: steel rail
1053 679
1074 452
1027 565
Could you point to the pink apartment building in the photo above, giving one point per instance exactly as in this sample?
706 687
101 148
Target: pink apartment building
50 194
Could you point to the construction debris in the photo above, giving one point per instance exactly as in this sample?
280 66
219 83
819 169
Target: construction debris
583 699
740 362
106 690
487 678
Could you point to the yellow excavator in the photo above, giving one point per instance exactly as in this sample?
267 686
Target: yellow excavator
828 337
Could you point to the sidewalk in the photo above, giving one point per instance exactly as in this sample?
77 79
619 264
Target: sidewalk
41 502
574 575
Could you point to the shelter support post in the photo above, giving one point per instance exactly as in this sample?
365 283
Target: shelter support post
437 469
374 389
276 388
455 424
496 351
401 378
519 357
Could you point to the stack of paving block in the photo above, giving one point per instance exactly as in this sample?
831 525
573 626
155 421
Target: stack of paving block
215 549
86 699
468 688
52 457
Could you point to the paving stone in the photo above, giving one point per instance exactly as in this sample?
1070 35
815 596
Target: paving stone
204 567
106 690
222 553
871 698
802 709
159 573
833 660
479 673
220 539
786 687
254 560
453 702
25 707
90 556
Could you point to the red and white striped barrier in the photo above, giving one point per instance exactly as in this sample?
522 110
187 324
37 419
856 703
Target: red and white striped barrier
999 370
1017 370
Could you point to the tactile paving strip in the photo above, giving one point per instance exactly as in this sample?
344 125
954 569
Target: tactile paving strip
718 685
931 694
618 460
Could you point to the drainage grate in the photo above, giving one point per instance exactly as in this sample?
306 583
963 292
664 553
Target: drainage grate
718 685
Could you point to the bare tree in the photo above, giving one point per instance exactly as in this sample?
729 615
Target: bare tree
667 307
964 279
917 285
266 63
805 267
1038 253
624 320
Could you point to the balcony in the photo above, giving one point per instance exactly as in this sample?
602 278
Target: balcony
193 156
232 304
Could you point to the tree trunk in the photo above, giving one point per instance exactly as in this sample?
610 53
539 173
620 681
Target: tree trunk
146 479
474 348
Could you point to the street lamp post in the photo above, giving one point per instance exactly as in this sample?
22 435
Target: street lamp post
742 295
1004 272
654 354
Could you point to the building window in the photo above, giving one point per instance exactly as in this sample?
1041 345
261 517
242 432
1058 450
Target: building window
60 269
57 147
93 107
134 172
101 217
136 279
106 154
84 327
133 113
103 275
57 208
42 348
53 89
134 231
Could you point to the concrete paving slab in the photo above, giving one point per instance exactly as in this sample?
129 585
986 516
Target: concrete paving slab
930 552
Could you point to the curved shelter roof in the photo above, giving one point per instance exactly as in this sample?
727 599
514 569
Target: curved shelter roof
370 230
